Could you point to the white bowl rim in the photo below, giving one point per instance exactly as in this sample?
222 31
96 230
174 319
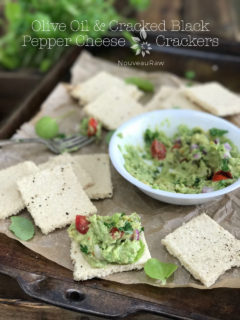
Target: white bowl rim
172 195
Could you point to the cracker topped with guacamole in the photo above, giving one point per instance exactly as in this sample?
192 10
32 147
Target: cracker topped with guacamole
191 161
102 245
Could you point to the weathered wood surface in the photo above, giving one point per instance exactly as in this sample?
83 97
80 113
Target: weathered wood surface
223 15
189 303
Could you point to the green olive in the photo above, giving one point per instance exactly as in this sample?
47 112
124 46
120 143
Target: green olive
47 128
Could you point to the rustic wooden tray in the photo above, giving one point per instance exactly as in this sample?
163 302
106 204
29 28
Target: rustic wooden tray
47 281
44 280
22 94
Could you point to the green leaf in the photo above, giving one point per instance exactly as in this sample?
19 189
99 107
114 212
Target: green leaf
23 228
47 127
214 132
12 11
128 35
140 4
142 84
190 74
109 136
156 269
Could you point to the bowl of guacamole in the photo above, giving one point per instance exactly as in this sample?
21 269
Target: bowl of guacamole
178 156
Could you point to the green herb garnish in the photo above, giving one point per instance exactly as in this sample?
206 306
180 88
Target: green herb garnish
214 132
156 269
120 135
47 128
127 228
150 135
225 166
109 225
190 74
109 136
84 249
142 84
23 228
196 182
61 136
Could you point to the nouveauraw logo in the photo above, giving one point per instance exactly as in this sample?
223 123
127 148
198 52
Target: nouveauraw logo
141 46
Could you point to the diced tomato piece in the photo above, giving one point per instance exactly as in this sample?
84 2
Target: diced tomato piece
158 150
177 145
82 224
92 127
221 175
114 230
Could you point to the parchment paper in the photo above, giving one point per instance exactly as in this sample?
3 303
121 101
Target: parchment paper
158 218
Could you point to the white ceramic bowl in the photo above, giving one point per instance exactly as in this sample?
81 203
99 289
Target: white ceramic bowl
168 121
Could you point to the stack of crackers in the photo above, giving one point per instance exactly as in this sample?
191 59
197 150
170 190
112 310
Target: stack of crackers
211 97
108 99
56 191
111 101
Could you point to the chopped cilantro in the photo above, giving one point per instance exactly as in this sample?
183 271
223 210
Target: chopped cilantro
84 249
127 228
109 225
214 132
142 229
149 136
225 166
196 182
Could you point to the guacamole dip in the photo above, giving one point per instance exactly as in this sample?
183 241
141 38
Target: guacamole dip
108 239
191 161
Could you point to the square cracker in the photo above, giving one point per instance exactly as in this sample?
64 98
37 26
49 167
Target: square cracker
10 199
113 107
64 159
98 166
83 270
204 248
54 197
169 98
214 98
89 90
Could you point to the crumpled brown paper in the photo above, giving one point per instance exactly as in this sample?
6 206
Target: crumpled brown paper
158 218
